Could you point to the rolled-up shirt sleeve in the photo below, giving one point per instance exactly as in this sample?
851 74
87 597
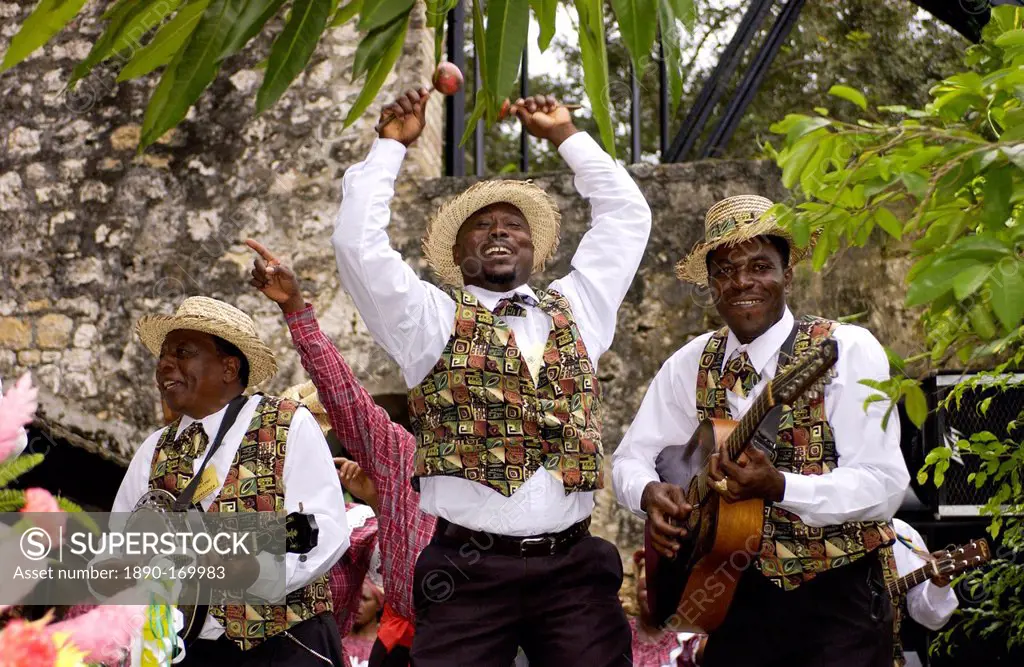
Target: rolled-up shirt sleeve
871 477
930 605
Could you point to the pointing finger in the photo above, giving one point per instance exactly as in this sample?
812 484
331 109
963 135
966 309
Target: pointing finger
261 249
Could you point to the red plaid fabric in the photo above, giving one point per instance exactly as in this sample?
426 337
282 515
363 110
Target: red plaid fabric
347 575
381 447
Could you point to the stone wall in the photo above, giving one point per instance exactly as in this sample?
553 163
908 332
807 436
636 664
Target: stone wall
96 237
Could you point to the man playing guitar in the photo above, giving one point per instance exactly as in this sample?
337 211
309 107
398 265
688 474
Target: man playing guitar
809 589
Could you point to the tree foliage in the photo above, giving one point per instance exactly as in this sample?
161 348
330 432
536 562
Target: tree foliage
947 179
188 40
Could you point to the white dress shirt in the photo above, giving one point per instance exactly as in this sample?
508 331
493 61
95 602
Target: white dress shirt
871 477
413 320
309 478
928 604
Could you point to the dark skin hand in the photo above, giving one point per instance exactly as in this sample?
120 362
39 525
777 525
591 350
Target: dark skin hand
751 475
749 284
408 117
278 282
667 511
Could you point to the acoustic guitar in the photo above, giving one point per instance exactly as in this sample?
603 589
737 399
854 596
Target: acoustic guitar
154 511
949 562
692 592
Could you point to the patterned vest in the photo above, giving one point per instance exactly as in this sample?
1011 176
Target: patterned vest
791 551
479 415
890 575
253 484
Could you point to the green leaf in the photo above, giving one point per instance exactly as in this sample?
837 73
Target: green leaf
377 75
292 50
165 43
671 41
129 21
637 29
45 21
685 11
252 20
191 71
981 321
377 13
916 184
546 13
478 37
15 468
595 68
940 471
1011 38
969 280
142 22
850 95
804 126
508 23
373 47
795 161
346 13
998 190
935 281
479 108
1007 288
889 222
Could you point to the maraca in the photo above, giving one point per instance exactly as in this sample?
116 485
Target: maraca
447 81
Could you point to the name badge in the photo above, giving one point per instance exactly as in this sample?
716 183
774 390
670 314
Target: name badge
207 484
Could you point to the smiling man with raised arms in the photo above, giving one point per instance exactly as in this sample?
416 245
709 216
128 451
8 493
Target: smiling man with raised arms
504 394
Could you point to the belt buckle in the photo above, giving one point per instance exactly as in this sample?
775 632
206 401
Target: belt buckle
530 541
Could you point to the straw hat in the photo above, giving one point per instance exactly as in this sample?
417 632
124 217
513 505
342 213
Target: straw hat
537 207
200 313
728 223
307 395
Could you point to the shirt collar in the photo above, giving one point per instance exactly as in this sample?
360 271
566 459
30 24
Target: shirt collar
211 423
490 299
763 348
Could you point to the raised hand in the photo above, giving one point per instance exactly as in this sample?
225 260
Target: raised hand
667 511
275 279
404 119
355 479
544 118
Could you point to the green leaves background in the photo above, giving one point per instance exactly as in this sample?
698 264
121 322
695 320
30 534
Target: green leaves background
189 39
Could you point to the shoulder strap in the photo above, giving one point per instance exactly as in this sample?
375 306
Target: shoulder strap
184 499
768 431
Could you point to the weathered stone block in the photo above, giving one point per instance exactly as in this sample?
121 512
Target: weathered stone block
15 334
53 332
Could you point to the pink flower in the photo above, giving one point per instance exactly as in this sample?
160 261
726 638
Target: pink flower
17 409
24 644
41 502
104 633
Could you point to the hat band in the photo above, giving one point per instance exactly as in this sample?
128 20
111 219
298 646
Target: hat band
718 229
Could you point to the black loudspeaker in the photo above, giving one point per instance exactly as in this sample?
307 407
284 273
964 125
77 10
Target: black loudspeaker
958 497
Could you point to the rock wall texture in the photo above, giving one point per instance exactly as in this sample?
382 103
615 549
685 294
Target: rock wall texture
96 237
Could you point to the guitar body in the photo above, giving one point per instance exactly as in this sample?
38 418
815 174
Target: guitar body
693 591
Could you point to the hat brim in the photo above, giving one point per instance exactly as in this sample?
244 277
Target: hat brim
693 268
538 208
153 329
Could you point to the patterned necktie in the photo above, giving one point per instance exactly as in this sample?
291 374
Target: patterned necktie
739 375
513 307
192 441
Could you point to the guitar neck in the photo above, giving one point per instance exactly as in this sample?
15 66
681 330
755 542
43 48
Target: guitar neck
905 583
748 424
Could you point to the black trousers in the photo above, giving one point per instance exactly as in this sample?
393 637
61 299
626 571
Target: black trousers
319 634
841 618
380 657
474 608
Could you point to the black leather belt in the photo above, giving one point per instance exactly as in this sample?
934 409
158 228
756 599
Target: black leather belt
520 547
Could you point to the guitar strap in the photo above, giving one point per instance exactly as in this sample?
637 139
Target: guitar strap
184 500
765 437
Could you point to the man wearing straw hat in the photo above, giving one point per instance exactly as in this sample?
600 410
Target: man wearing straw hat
504 396
271 456
838 475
